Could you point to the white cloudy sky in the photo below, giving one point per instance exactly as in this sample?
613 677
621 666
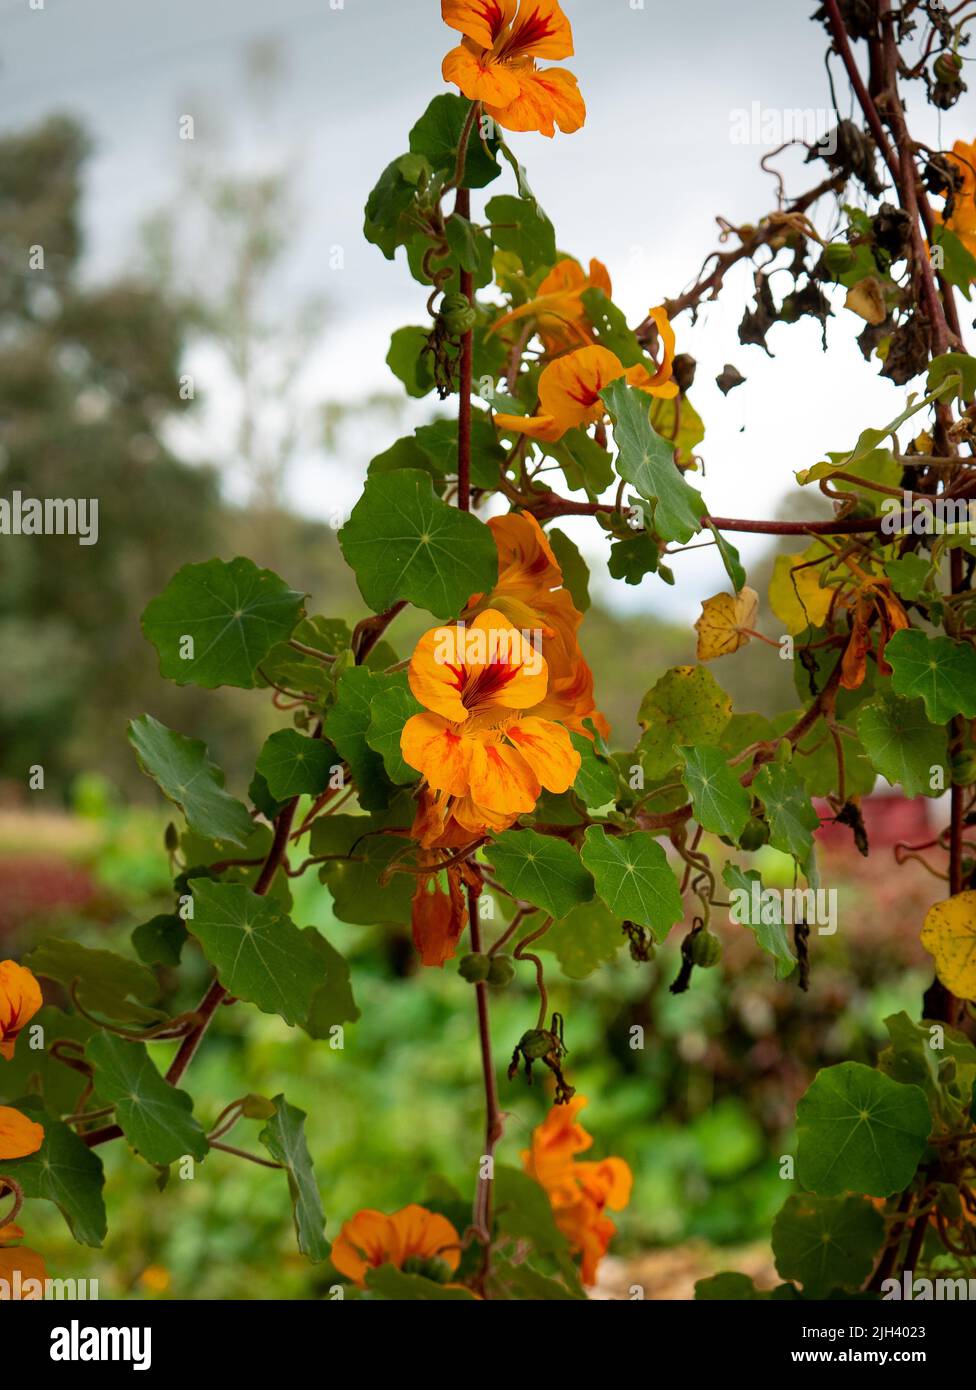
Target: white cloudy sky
639 187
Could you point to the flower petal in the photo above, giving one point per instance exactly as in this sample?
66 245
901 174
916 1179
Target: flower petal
548 750
501 779
479 77
434 747
480 20
19 1136
546 99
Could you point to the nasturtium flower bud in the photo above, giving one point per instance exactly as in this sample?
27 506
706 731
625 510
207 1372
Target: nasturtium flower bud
706 949
947 67
457 314
535 1044
755 834
257 1108
838 258
501 971
474 968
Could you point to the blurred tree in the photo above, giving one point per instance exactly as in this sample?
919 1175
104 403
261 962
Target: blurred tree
89 377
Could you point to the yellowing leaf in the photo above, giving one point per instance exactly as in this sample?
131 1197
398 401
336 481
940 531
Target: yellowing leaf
795 595
724 623
866 298
949 934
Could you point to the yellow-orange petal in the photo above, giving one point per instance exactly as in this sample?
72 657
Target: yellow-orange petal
569 388
465 668
29 1266
20 999
548 750
546 99
425 1235
501 780
541 30
366 1241
19 1136
479 77
432 745
437 920
480 20
542 427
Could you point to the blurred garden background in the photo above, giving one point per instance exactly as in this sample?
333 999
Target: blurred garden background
95 358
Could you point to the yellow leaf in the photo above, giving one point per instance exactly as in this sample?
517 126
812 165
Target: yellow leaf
795 595
949 934
866 298
723 618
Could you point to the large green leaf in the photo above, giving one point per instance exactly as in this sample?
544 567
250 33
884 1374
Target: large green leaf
294 765
540 869
332 1003
348 724
437 136
284 1138
686 705
64 1171
232 613
258 952
405 543
156 1119
646 461
634 878
762 913
391 1283
935 669
719 800
826 1243
859 1131
596 781
585 939
901 743
520 225
106 983
185 774
390 708
791 814
358 895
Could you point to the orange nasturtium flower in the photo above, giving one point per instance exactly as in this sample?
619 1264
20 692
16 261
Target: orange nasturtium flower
578 1193
570 386
20 999
531 595
495 63
478 744
557 310
414 1239
963 219
19 1136
20 1261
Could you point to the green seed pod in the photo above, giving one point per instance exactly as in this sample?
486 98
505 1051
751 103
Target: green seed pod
964 768
755 835
457 315
257 1108
706 949
535 1044
838 258
947 67
501 972
474 968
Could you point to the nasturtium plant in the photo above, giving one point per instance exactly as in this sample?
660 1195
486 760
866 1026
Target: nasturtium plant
464 785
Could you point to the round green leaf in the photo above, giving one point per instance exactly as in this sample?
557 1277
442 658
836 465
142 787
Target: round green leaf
901 743
859 1131
826 1243
405 543
935 669
213 623
541 870
634 878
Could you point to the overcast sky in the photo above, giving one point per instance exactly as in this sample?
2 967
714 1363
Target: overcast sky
639 187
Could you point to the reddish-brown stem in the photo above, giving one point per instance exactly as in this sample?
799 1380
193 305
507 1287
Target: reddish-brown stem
462 206
481 1215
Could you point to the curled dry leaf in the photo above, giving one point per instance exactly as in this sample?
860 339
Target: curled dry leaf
725 623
